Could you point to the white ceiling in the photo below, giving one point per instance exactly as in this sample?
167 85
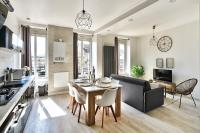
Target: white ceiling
63 13
164 14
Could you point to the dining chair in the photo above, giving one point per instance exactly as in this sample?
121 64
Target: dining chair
72 100
80 100
108 98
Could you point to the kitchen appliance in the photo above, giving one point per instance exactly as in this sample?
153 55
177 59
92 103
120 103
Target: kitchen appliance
18 74
162 75
6 94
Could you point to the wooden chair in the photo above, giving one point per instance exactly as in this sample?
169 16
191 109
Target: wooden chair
108 98
80 100
186 88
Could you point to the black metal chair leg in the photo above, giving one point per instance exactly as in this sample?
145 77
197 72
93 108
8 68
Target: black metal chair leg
113 113
79 114
193 100
75 108
96 110
83 106
180 101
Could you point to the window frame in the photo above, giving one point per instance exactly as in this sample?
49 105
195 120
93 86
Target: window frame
83 38
35 35
122 42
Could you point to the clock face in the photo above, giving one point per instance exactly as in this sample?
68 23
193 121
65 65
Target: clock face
164 43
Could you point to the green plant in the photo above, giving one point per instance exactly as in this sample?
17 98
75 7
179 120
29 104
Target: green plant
137 71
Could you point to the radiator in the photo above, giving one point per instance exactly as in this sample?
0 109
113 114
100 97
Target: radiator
61 79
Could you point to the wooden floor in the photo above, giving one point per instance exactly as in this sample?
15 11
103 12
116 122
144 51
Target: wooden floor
49 115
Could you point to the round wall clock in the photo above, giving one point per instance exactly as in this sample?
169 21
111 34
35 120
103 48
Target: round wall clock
164 43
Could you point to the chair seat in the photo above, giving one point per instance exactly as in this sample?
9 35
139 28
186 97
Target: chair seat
99 102
82 99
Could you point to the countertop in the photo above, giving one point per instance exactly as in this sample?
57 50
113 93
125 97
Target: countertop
6 109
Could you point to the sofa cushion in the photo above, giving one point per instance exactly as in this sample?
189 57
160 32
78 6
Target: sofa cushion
139 82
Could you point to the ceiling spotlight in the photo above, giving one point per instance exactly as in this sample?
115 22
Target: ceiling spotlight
172 1
28 19
130 20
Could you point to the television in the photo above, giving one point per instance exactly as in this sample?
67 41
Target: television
162 75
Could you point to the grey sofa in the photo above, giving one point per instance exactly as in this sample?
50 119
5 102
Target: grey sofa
138 93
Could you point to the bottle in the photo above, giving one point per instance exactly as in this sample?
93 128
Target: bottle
90 76
93 73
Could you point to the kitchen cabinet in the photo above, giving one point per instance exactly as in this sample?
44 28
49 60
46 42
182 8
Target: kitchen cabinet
6 37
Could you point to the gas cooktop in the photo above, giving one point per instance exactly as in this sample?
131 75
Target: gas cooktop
6 94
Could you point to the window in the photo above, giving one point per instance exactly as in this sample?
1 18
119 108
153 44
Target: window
84 56
124 57
39 55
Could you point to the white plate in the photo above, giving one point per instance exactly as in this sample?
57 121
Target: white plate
103 85
85 84
106 80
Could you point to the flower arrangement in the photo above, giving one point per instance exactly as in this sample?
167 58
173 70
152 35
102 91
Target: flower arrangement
27 70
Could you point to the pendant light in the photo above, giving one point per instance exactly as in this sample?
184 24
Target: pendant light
83 19
153 40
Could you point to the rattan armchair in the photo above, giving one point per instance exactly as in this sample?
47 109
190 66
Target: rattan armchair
186 88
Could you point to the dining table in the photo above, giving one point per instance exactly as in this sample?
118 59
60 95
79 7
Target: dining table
93 90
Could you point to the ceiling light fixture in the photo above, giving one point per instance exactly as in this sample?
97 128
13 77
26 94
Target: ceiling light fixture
153 40
83 19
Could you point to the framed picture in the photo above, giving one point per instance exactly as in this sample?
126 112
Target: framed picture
169 62
159 62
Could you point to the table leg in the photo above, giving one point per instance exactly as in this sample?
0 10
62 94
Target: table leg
118 103
90 109
165 91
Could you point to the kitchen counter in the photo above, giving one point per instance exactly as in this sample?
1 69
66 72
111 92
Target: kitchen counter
5 110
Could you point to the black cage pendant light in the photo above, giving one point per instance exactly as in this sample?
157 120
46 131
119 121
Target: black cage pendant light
83 19
153 40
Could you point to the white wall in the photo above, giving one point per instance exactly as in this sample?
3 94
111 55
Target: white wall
53 34
185 51
10 59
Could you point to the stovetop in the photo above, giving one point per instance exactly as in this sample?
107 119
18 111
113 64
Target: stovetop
6 94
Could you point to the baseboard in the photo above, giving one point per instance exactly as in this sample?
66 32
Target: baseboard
57 93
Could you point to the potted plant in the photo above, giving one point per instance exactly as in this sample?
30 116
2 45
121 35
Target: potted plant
137 71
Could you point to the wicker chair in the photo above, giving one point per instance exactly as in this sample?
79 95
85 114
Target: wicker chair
186 88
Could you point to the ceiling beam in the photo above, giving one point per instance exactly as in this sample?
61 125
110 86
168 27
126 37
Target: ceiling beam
132 11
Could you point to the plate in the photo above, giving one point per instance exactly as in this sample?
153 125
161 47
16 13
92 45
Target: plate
85 85
106 80
103 85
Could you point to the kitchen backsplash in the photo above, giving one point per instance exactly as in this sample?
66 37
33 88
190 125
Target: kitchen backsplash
9 59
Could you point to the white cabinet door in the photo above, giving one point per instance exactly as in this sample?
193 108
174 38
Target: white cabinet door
59 54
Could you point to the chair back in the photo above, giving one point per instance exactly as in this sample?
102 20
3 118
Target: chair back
186 87
108 97
71 90
78 97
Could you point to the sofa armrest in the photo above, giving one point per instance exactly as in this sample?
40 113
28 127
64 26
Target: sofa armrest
153 98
